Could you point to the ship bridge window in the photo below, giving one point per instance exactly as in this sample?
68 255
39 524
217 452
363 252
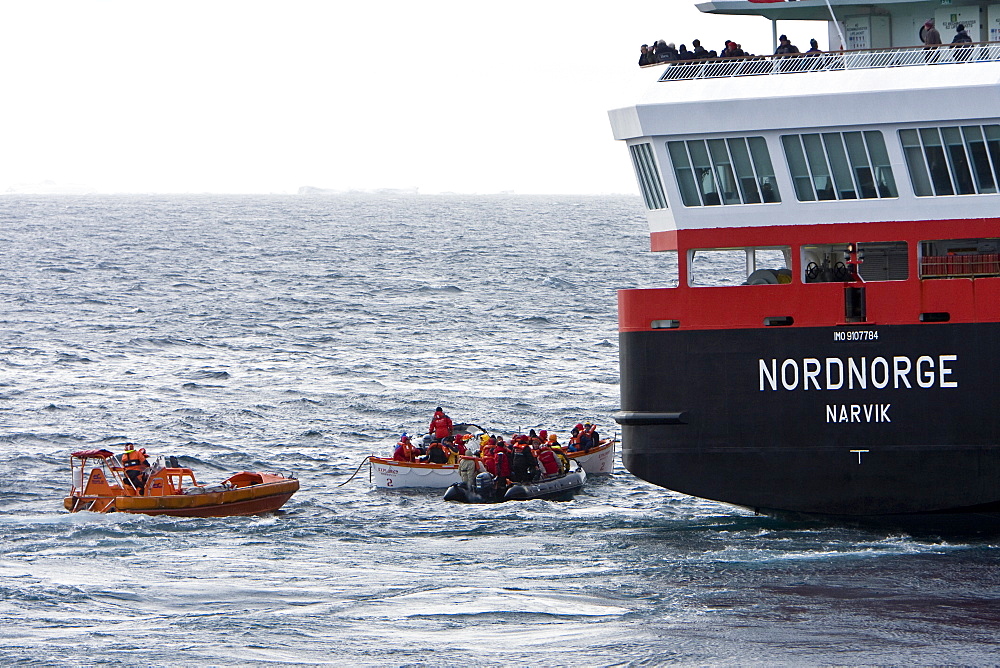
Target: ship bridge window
740 266
839 165
954 258
716 172
649 176
834 263
954 160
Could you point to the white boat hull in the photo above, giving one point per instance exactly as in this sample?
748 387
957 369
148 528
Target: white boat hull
391 474
596 460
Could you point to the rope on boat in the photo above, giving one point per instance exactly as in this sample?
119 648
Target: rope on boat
363 461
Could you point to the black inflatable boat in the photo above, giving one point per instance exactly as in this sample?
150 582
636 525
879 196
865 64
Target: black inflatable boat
557 488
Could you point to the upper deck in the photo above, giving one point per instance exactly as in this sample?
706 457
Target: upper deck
836 61
781 171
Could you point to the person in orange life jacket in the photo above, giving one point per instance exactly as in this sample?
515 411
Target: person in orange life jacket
523 465
440 425
437 453
405 452
469 467
534 438
574 438
488 455
594 436
136 466
547 460
588 438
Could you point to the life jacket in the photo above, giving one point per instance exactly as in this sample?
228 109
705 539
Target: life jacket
134 459
490 462
548 461
437 454
562 459
403 452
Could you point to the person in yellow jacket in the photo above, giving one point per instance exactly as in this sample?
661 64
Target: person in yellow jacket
560 457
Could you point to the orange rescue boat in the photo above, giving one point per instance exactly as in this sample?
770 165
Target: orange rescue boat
171 490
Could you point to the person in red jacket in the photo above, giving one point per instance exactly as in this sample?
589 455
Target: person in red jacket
440 424
404 450
547 460
503 460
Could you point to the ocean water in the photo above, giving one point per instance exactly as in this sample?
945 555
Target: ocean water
300 334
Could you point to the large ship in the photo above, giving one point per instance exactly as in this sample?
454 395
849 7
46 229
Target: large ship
826 342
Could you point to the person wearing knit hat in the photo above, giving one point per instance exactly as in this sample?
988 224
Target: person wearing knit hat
929 34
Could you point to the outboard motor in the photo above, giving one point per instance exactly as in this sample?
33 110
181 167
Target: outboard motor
172 462
484 485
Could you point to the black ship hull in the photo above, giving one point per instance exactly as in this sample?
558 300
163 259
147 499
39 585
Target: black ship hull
867 421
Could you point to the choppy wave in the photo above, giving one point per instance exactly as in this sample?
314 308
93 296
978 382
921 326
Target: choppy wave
301 334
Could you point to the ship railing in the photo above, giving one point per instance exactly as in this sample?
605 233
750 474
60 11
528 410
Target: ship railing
954 266
716 68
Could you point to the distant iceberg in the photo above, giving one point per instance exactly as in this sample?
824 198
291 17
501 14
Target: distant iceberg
312 190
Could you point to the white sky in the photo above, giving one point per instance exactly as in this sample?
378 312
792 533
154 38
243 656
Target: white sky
263 97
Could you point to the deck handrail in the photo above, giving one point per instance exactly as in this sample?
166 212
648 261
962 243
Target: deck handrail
825 61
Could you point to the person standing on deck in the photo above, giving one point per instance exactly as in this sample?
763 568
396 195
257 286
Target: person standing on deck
523 465
785 47
136 466
440 424
930 35
468 468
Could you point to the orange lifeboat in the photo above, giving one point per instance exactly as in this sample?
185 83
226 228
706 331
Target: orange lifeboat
170 490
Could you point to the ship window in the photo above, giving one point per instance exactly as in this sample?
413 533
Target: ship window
885 183
952 160
649 176
723 171
880 261
954 258
839 165
740 266
884 261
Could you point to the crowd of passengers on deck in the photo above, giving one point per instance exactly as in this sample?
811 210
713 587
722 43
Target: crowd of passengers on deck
525 457
663 52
